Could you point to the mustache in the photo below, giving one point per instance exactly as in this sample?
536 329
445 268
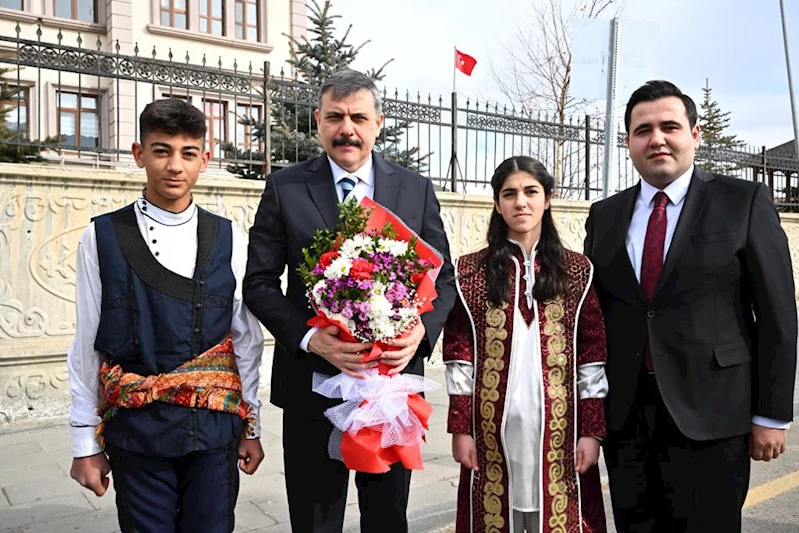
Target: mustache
347 141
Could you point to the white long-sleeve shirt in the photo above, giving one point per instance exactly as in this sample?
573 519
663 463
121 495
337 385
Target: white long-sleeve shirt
172 239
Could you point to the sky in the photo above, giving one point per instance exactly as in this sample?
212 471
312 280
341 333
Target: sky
736 45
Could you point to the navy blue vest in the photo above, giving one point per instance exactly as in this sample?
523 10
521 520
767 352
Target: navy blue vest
153 320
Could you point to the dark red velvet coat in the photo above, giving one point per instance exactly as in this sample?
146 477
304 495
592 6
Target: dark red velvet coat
572 334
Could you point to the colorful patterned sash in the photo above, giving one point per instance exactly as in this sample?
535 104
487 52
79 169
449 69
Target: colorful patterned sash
209 381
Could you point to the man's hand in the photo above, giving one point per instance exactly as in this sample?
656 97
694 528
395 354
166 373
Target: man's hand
464 451
766 444
405 349
346 356
587 454
250 455
91 472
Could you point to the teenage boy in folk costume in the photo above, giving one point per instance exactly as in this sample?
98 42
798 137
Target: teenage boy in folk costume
525 353
164 346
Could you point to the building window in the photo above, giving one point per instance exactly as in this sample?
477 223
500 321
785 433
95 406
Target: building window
247 20
15 112
83 10
174 13
78 117
244 132
11 4
212 17
216 116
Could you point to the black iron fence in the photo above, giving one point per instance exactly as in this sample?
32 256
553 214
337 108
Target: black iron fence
79 104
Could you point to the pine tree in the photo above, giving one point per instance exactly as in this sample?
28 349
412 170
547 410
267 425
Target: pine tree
9 151
293 128
714 122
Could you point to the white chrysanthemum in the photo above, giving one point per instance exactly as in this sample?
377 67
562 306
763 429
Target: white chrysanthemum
395 248
380 306
355 246
379 288
317 291
339 267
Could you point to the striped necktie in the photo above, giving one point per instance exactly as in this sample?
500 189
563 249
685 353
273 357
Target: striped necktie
347 184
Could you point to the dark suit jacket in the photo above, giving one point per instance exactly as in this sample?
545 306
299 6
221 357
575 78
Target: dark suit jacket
296 202
722 323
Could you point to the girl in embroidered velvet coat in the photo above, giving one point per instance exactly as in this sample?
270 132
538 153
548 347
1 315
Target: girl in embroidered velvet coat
525 353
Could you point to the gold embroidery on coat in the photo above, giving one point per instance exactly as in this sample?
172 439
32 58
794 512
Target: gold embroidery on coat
496 334
556 390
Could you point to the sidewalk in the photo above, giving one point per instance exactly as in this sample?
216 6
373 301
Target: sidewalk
37 495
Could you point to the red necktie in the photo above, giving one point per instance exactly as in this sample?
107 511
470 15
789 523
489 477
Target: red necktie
652 258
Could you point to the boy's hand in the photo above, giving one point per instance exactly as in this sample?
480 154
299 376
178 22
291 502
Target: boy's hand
91 472
251 453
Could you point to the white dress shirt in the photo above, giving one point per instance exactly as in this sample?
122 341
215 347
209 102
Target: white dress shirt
364 179
172 239
636 234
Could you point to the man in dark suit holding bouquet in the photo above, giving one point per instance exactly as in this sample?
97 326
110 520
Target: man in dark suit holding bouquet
296 202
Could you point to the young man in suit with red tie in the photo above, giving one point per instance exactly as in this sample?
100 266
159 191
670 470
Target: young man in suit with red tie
694 275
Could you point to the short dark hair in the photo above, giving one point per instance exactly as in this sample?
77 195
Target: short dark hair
655 90
173 117
346 82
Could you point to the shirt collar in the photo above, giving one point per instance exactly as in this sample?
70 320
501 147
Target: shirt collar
676 190
365 173
164 217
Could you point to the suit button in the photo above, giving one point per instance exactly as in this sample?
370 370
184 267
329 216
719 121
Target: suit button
650 314
191 433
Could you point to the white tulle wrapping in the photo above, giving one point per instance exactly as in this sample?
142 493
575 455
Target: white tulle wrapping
386 408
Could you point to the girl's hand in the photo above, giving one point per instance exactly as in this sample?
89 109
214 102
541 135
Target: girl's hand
587 454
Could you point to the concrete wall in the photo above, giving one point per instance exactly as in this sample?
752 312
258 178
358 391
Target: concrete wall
44 210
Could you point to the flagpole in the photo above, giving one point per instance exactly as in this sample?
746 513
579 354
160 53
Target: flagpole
454 66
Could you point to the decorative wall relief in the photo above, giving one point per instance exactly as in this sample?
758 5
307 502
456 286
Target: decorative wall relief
20 322
52 264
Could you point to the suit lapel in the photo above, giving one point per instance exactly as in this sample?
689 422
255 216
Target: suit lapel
322 190
699 192
386 185
621 259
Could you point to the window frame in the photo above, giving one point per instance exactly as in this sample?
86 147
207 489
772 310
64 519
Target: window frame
212 142
25 90
246 24
172 10
209 17
74 11
78 112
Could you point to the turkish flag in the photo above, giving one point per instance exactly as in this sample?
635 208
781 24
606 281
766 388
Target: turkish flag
464 62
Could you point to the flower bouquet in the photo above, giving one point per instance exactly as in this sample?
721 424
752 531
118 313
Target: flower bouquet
372 278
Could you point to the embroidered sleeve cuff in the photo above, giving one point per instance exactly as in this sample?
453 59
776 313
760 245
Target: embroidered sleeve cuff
459 378
592 418
255 432
84 442
592 381
459 419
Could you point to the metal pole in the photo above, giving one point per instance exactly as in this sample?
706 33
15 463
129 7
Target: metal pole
453 161
610 109
790 82
267 132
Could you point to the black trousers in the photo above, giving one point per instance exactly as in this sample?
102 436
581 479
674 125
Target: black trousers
190 493
663 482
317 485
